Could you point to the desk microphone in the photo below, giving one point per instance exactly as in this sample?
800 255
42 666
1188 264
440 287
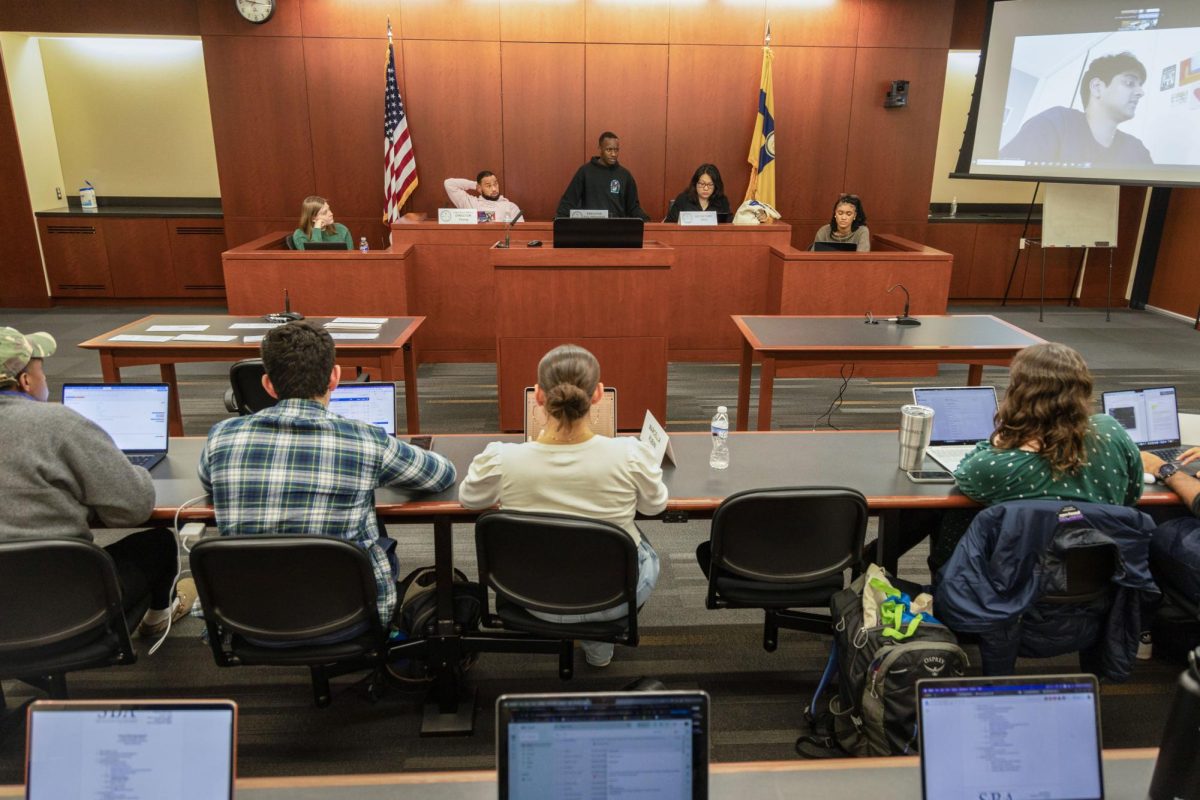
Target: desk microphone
287 315
904 318
508 229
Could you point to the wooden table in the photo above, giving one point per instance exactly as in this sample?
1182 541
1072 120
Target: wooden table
378 355
973 339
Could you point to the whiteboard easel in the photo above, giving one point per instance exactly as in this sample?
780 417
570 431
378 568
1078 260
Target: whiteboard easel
1079 215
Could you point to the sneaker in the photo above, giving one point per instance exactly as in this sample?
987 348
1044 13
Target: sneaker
597 663
185 598
1145 650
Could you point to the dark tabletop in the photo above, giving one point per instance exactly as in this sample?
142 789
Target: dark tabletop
935 331
135 211
219 325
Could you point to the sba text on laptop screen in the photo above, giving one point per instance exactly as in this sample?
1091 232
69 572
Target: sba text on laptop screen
134 415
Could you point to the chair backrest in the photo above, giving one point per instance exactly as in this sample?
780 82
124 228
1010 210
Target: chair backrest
245 378
789 534
556 564
284 588
289 241
1089 574
55 591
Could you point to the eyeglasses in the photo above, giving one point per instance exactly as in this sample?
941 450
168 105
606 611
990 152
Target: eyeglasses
702 185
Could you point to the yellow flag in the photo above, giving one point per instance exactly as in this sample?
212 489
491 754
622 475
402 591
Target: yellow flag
762 143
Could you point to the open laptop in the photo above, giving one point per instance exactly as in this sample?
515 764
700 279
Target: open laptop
131 749
831 247
1017 736
373 403
134 415
602 419
1151 418
326 246
618 744
963 416
613 232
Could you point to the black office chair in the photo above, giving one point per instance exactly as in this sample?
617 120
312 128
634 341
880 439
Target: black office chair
255 616
782 549
246 394
60 611
289 242
556 564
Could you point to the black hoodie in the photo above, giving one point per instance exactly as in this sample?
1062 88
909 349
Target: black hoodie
598 186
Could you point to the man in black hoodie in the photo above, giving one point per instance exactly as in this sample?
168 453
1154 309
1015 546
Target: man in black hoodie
602 183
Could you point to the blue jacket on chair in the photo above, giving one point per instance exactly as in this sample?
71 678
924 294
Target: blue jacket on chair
1012 555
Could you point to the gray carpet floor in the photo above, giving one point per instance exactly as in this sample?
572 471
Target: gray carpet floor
758 697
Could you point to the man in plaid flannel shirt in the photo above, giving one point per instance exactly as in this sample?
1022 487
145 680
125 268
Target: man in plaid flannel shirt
298 468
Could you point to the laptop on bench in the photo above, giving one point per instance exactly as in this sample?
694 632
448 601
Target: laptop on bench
1017 736
373 403
134 415
1151 418
606 745
602 419
131 749
963 416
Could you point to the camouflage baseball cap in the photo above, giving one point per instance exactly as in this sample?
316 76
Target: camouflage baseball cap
16 350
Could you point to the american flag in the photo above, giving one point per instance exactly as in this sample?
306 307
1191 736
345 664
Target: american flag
400 165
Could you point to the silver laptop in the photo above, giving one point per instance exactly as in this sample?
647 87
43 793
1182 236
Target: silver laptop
373 403
134 415
131 749
1018 736
963 416
602 418
606 745
1150 417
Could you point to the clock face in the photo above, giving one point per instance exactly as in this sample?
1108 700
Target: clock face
256 11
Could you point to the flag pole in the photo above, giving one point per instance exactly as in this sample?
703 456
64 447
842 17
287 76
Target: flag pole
767 35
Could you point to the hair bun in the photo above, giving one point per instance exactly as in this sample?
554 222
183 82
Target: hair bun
567 402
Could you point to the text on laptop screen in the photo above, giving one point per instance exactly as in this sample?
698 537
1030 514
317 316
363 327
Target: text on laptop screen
1020 738
1150 416
134 415
962 415
643 747
131 753
373 403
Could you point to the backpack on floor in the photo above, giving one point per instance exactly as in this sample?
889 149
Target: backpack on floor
418 614
874 712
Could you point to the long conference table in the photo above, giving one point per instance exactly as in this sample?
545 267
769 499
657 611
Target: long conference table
1126 777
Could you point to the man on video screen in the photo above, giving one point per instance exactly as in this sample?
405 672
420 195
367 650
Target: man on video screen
1110 91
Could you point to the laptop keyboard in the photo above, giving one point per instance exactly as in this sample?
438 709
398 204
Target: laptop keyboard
1169 453
949 455
145 461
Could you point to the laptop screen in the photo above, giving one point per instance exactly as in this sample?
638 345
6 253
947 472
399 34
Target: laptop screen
1149 416
373 403
625 744
602 419
961 414
1020 737
134 415
135 750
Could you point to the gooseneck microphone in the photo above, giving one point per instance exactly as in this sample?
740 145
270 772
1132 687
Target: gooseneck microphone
904 318
287 315
508 229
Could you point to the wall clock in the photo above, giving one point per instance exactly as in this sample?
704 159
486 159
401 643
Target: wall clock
256 11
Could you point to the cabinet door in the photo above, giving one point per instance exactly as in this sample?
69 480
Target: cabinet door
76 260
196 247
139 257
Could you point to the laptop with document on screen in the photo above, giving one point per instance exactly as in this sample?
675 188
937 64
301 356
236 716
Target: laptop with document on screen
1151 418
370 402
131 749
134 415
602 417
609 744
1016 736
963 416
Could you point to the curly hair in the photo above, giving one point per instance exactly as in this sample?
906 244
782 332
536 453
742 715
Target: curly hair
1048 405
568 375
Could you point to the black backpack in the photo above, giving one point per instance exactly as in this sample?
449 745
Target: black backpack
418 614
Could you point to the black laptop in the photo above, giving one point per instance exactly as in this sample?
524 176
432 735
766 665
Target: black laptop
834 247
326 246
613 232
1151 418
134 415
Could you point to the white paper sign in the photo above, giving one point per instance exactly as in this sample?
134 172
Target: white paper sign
654 437
254 326
588 213
354 326
339 336
133 337
457 216
363 320
203 337
177 328
252 339
697 218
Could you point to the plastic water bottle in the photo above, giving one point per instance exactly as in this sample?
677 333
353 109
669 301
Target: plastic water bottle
363 247
720 439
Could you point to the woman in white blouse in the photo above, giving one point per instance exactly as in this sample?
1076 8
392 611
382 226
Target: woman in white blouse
570 470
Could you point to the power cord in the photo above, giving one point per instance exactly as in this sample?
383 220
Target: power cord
836 404
178 570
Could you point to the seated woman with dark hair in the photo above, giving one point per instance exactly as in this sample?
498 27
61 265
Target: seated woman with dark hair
570 470
317 225
848 224
705 192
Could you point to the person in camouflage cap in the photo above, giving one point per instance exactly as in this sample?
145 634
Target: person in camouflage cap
21 362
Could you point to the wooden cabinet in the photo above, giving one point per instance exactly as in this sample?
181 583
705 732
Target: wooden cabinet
133 257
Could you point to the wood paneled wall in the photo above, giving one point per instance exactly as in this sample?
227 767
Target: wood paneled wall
21 280
1176 284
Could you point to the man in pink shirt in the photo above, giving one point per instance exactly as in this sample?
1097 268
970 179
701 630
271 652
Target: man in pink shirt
487 196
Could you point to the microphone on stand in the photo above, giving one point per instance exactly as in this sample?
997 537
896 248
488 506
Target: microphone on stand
904 318
508 229
287 315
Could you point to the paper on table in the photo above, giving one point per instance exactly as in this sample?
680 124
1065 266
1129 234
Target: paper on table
252 339
177 328
353 326
133 337
354 335
373 320
205 337
254 326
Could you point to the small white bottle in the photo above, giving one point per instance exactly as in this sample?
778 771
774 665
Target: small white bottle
954 206
720 439
363 247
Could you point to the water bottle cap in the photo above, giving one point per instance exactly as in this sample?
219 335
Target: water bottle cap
722 410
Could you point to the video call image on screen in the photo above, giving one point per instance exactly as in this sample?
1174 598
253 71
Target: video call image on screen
1091 90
